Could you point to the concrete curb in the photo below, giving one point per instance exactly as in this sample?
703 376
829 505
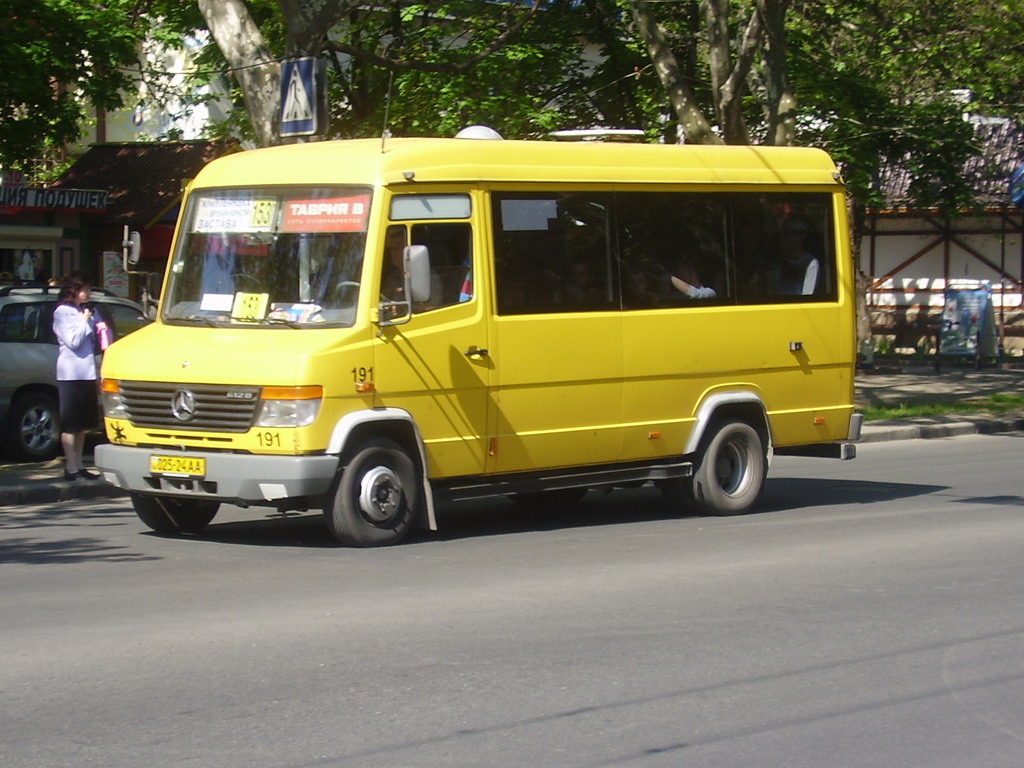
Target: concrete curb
923 429
48 491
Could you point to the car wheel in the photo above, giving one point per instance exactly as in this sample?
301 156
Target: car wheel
33 432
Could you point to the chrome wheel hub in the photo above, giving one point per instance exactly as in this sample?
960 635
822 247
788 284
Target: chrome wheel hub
380 494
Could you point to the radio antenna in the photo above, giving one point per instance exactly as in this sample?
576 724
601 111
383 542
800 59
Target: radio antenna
385 132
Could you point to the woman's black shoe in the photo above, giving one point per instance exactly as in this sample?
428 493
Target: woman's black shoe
82 474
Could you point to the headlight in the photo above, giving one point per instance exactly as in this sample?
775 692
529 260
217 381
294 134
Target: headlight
110 397
288 406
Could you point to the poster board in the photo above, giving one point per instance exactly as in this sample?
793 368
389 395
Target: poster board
968 322
115 279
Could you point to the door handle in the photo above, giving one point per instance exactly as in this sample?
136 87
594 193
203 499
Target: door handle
475 352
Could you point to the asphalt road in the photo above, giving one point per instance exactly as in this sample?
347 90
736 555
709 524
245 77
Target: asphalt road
869 615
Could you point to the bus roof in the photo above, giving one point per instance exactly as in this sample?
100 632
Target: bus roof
420 160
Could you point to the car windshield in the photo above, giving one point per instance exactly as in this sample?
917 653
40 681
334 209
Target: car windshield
259 257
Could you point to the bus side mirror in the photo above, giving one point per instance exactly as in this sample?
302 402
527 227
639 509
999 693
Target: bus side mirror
417 270
416 273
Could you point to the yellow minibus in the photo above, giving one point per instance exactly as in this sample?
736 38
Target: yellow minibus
371 327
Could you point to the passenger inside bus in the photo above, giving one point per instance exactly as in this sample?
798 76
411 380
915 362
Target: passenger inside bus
798 274
637 291
392 285
684 278
581 289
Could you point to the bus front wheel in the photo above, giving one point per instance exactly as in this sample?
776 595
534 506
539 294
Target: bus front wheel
728 475
172 516
374 500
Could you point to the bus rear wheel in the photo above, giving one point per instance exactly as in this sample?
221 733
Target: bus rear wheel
172 516
374 500
728 475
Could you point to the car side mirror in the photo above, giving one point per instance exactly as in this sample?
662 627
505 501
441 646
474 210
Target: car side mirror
131 248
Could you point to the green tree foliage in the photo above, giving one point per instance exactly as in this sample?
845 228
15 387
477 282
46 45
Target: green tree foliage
888 83
872 81
877 83
434 67
443 74
59 58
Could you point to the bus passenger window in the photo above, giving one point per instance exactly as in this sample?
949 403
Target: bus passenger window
672 246
787 253
553 253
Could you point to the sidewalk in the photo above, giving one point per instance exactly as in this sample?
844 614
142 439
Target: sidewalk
922 385
43 482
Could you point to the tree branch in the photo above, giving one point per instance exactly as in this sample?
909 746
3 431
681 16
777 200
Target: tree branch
733 124
408 65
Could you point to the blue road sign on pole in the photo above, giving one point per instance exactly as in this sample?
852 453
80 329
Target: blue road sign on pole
298 97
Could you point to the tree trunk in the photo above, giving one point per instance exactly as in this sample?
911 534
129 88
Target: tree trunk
308 21
731 81
695 126
257 73
781 101
862 283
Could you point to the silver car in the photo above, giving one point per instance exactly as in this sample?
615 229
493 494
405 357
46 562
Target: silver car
29 416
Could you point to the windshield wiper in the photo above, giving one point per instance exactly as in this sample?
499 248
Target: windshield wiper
279 321
196 319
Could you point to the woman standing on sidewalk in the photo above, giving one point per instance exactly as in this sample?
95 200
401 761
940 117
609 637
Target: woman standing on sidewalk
75 329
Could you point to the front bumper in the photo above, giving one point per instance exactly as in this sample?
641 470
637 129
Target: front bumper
230 477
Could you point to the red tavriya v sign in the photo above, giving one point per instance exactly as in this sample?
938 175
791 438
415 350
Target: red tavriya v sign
336 214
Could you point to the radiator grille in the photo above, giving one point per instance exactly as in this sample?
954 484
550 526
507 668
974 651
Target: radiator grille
206 407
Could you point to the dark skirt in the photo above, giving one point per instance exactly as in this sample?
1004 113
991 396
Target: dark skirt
79 409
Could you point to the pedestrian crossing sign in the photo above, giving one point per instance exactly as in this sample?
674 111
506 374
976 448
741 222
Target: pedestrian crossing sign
299 97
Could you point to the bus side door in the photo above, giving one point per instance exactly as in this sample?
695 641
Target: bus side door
557 331
436 365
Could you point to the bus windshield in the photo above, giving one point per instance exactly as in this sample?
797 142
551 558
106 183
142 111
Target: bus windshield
289 257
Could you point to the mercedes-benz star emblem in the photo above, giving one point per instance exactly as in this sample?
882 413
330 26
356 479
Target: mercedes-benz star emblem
183 405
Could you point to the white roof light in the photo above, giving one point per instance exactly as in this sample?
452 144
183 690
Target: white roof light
478 132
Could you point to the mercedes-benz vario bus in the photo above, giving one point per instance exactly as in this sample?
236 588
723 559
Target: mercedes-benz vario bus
369 328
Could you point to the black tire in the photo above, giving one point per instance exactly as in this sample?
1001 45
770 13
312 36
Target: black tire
374 501
172 516
730 471
33 432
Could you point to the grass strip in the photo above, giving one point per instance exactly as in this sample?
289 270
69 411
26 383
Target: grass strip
994 404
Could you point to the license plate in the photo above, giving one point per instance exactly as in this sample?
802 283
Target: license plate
186 466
